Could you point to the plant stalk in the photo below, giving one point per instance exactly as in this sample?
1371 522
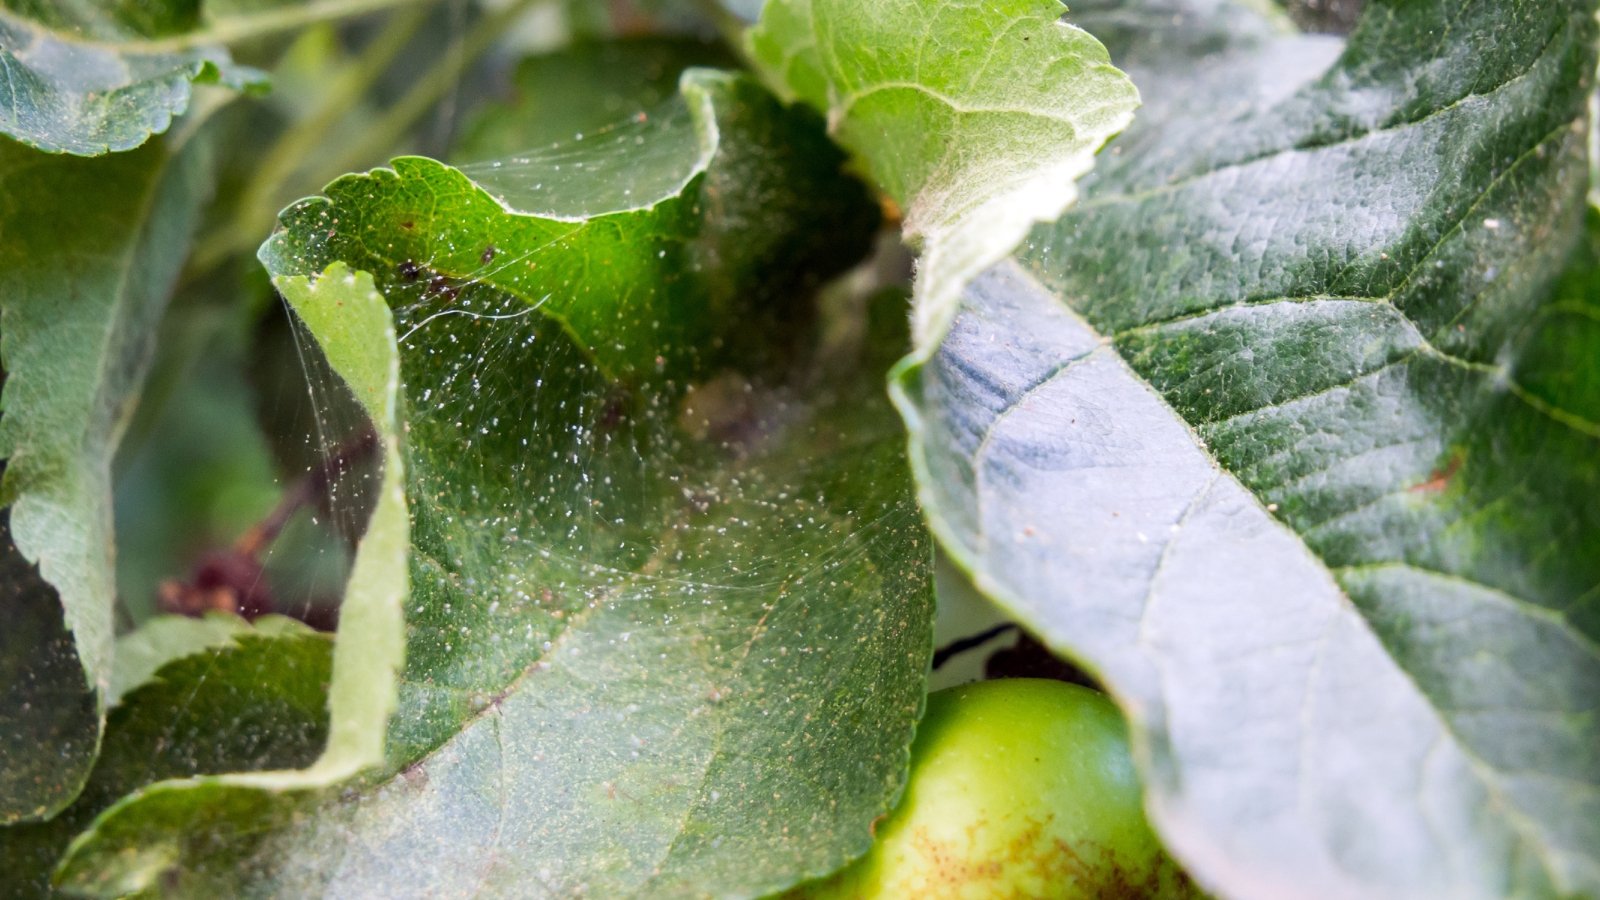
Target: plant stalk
303 140
236 29
296 143
393 126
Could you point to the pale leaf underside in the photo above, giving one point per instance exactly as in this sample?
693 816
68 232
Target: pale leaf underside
1279 432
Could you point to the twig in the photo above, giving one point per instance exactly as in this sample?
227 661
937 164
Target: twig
234 579
290 151
392 127
235 29
314 487
943 654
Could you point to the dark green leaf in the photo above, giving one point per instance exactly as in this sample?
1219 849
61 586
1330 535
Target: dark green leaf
666 638
252 701
47 702
142 652
1287 433
89 250
95 78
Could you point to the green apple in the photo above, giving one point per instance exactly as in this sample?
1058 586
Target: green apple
1018 788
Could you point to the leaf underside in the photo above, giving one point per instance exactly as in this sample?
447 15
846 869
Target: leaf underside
1287 431
82 290
976 118
88 80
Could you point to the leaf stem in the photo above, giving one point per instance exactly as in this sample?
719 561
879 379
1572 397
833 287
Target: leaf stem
235 29
290 151
313 488
392 127
300 143
234 580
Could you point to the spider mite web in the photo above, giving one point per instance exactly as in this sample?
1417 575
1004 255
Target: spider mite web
661 592
616 166
335 484
625 164
527 463
268 523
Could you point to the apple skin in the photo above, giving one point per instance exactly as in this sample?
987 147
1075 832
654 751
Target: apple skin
1018 788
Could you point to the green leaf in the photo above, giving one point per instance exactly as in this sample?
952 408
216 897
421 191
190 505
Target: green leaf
184 818
1286 431
355 330
97 78
975 117
581 89
143 651
250 701
83 283
693 197
666 638
47 702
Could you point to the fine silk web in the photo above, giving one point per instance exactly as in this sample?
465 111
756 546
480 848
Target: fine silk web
611 579
627 164
603 168
659 585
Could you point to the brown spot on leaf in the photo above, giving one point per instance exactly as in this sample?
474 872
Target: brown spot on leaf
443 288
872 829
1441 477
